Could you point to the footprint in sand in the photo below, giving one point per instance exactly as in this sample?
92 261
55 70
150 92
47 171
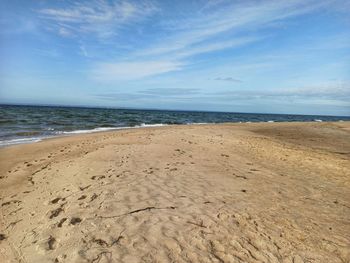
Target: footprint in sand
93 197
56 212
2 237
61 222
51 243
98 177
75 220
54 201
82 197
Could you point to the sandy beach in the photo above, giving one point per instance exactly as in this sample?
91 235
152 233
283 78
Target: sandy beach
255 192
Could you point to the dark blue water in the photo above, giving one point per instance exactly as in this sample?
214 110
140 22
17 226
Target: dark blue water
22 124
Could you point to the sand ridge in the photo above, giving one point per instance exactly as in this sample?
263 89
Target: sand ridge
273 192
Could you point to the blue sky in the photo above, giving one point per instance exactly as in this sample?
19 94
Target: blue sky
242 56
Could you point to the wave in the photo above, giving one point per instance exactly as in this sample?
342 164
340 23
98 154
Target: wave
198 123
100 129
20 141
150 125
10 142
89 131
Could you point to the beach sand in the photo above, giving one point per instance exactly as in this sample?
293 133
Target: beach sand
257 192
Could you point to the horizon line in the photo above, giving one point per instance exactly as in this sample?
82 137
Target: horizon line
159 109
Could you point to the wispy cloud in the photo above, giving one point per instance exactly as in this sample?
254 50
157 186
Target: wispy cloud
324 97
133 70
84 51
234 18
334 90
229 79
214 46
100 17
151 94
117 97
64 32
215 27
170 91
228 26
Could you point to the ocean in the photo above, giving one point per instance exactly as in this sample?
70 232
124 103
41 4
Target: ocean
25 124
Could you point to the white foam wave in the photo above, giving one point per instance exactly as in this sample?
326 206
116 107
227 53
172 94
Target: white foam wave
317 120
142 125
198 123
149 125
90 131
20 141
62 133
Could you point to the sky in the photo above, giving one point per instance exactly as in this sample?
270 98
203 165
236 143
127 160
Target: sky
290 56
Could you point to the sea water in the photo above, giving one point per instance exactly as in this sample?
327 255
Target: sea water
24 124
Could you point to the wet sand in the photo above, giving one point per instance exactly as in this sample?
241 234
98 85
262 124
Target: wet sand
266 192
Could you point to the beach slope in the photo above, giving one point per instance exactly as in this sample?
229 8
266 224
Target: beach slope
263 192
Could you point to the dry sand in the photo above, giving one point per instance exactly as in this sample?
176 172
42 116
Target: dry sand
203 193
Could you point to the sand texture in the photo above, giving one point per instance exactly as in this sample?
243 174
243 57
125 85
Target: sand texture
197 193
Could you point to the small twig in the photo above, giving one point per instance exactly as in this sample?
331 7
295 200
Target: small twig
13 223
99 256
118 239
196 224
148 208
42 168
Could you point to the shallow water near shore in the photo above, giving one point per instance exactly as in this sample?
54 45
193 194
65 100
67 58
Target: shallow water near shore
25 124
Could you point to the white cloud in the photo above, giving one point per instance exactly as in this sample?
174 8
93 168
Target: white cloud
229 79
331 91
210 4
83 51
100 17
229 26
236 18
219 25
216 46
133 70
64 32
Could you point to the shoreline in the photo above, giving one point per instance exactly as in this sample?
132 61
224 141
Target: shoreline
207 193
62 134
